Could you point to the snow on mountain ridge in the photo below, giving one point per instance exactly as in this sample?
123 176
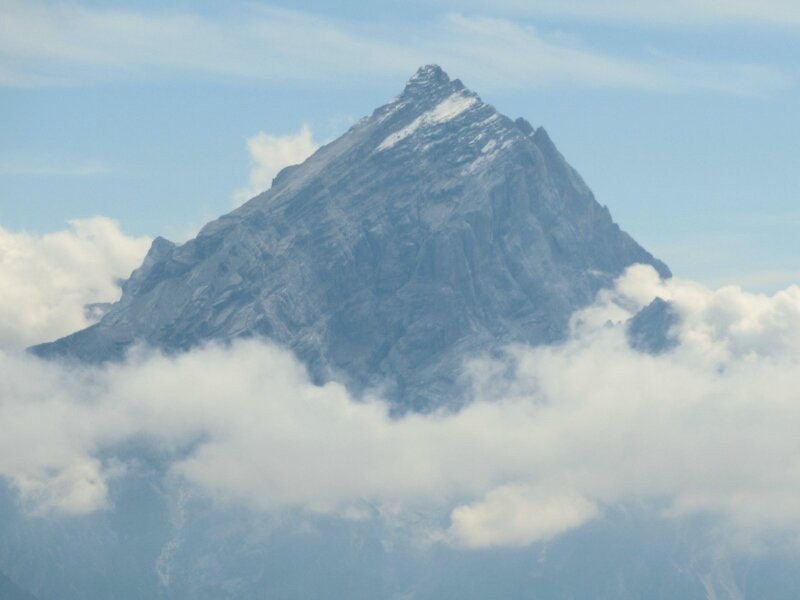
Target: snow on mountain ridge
447 109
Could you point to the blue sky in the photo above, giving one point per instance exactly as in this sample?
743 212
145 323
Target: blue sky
682 118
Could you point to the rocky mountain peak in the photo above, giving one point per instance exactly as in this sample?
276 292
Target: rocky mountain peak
434 230
428 77
427 87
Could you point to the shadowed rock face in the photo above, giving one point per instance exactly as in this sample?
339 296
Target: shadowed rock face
434 229
649 330
9 591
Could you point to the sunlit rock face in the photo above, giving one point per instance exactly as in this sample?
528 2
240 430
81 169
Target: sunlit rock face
434 229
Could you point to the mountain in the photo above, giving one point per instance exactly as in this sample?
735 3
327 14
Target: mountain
650 330
434 229
9 591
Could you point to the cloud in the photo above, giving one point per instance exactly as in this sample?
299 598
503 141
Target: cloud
554 436
56 44
48 280
688 13
517 515
51 168
271 153
719 328
499 50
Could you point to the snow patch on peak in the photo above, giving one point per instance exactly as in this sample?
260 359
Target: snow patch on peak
489 152
450 107
395 105
447 109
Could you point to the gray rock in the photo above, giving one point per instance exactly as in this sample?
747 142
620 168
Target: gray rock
432 230
651 329
10 591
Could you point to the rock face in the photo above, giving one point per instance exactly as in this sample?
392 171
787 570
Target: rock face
9 591
650 329
433 229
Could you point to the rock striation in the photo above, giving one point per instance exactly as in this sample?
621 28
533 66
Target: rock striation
433 230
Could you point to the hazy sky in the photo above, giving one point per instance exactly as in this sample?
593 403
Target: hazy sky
681 116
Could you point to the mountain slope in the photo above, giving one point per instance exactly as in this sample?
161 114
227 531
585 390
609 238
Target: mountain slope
10 591
432 230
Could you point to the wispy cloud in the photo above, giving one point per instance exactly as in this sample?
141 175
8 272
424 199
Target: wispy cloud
502 50
685 13
53 168
62 43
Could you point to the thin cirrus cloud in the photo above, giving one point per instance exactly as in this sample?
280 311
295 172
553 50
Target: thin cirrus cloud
684 13
54 168
57 44
554 436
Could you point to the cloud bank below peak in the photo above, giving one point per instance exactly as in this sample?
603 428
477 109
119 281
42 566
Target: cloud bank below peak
553 436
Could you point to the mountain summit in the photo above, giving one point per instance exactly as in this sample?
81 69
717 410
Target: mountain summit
434 229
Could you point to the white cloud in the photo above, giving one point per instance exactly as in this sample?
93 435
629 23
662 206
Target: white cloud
271 153
691 13
554 437
54 168
52 44
517 515
720 326
500 50
48 280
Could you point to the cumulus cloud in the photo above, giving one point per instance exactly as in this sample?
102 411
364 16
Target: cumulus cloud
271 153
518 515
718 326
553 437
47 280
